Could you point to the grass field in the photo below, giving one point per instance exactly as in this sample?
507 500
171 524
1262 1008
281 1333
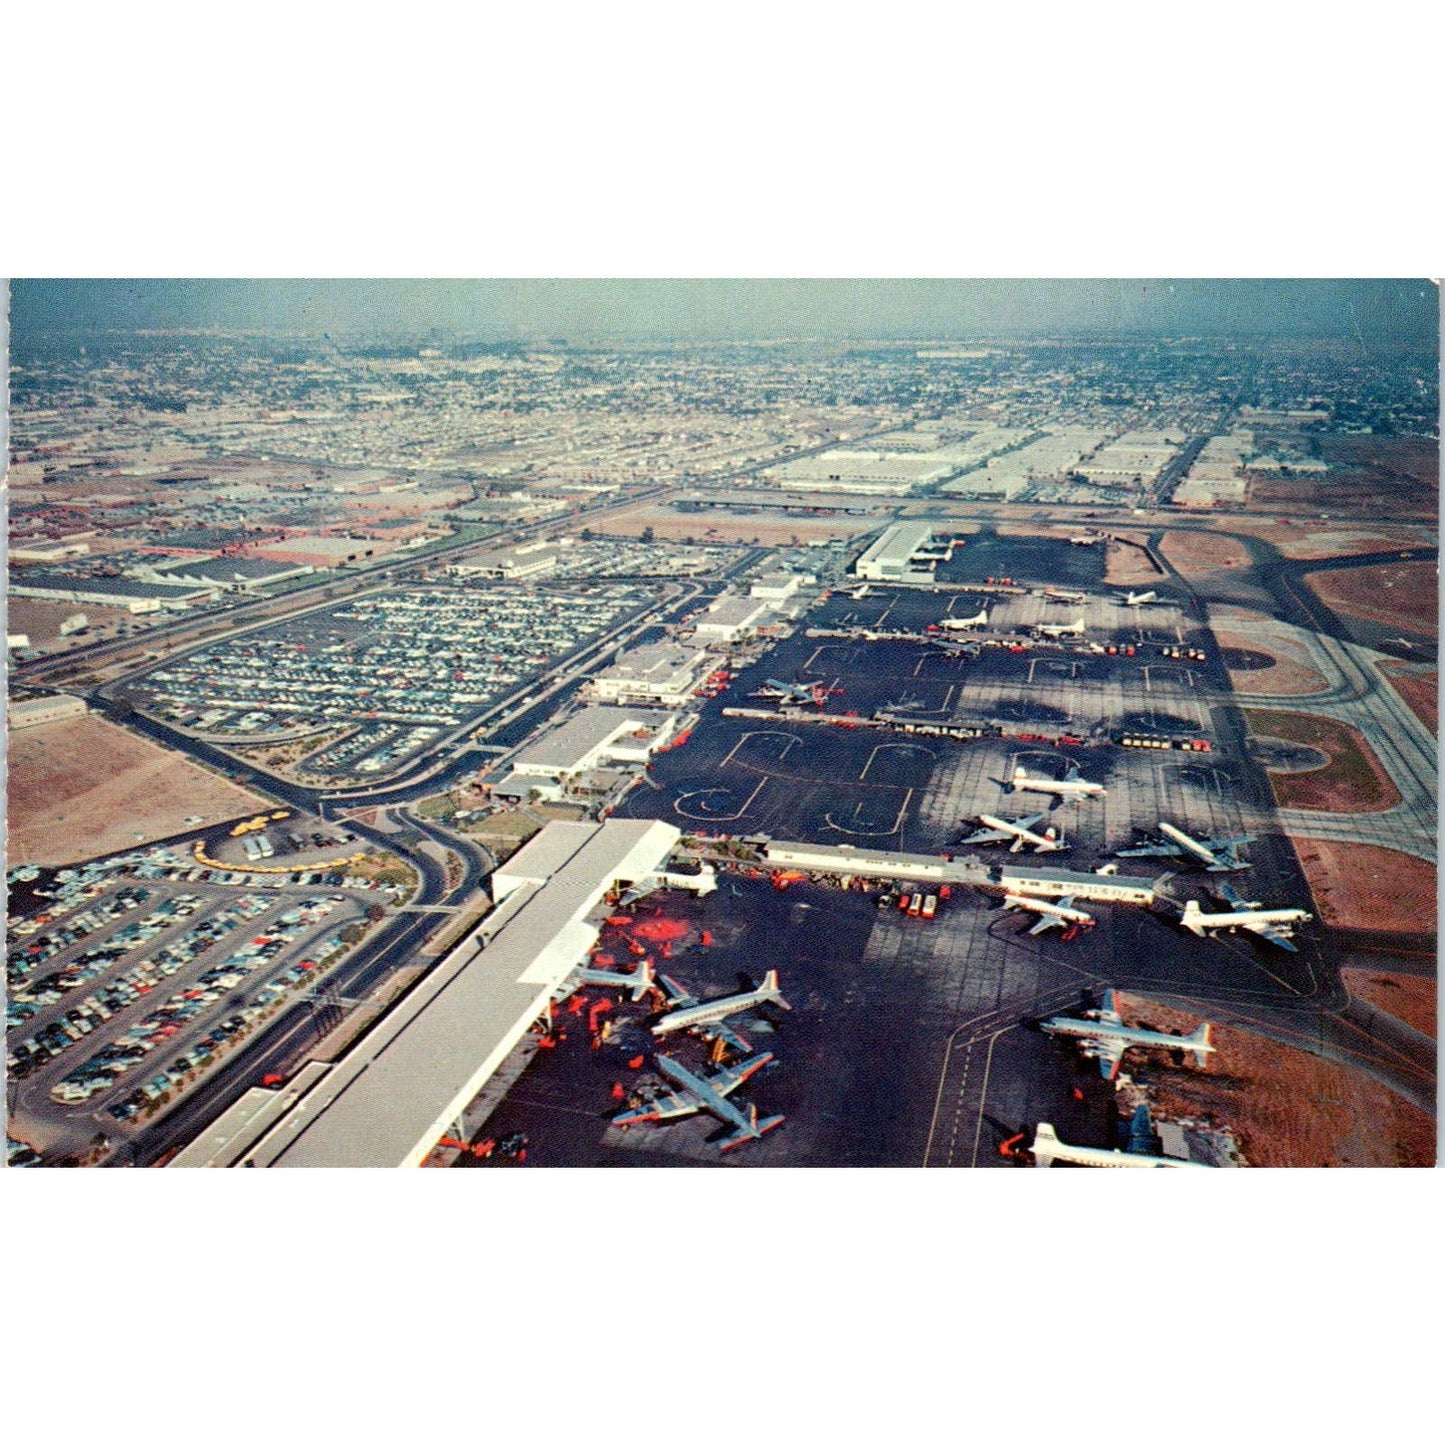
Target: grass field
1352 781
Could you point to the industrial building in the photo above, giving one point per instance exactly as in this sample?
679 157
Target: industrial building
663 672
37 710
516 564
890 558
779 586
729 618
389 1099
589 739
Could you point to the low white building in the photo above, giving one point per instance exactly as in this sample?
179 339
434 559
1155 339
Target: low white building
37 710
663 672
729 618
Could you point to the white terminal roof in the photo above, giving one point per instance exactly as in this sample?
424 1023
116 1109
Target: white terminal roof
388 1101
575 744
899 543
731 612
657 663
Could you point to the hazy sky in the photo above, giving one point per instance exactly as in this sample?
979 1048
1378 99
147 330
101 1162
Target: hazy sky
740 309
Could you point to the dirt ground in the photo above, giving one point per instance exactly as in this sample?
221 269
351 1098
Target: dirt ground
40 621
1421 691
1406 996
1358 885
1397 594
84 787
1287 1108
1194 553
1312 541
1285 677
1354 780
1128 566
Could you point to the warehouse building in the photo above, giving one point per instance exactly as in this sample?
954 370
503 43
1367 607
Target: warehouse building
589 739
730 618
37 710
890 558
663 672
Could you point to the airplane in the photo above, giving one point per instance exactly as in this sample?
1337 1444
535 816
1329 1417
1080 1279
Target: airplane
1053 915
1085 541
1272 924
1048 1147
955 649
1219 855
1068 789
1103 1035
642 980
1060 629
697 1092
706 1018
799 692
1138 599
1002 830
1227 893
957 624
860 593
1059 594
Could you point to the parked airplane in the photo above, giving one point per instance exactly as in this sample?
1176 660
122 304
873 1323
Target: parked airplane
1138 599
1060 594
798 692
1068 789
1219 855
1103 1035
706 1018
641 980
1273 924
957 624
1016 832
696 1092
860 593
956 649
1048 1147
1052 915
1060 629
1085 541
1227 893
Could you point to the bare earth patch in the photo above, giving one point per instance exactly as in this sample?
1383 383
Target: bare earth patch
84 787
1285 677
1194 553
1314 541
1406 996
1287 1108
1397 594
1357 885
767 527
1354 781
1421 692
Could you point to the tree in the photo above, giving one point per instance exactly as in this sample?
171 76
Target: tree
648 534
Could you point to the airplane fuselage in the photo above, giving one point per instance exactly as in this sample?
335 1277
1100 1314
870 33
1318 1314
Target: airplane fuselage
1048 1148
1252 919
1052 910
698 1014
1144 1038
1041 843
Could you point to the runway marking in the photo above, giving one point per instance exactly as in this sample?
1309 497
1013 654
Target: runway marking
983 1093
760 733
894 747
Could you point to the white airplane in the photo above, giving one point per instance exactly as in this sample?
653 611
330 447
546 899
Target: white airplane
1052 915
1048 1147
696 1092
1272 924
1085 541
957 624
1103 1035
1059 594
1138 599
1219 855
860 593
951 648
641 981
1060 629
1068 789
1016 832
706 1018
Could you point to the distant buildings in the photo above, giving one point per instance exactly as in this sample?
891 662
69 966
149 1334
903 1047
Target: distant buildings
37 710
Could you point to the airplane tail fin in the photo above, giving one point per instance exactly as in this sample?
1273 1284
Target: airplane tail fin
1191 918
1199 1041
644 978
771 985
755 1130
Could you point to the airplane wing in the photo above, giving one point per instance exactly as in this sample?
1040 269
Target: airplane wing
1109 1008
1277 935
675 992
726 1080
1110 1054
1150 850
730 1037
987 835
639 891
1234 897
676 1105
1046 921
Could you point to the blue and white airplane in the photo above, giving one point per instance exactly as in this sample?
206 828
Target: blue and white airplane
1016 832
1048 1148
641 981
1051 915
1219 855
695 1092
795 692
1103 1035
1272 924
707 1018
